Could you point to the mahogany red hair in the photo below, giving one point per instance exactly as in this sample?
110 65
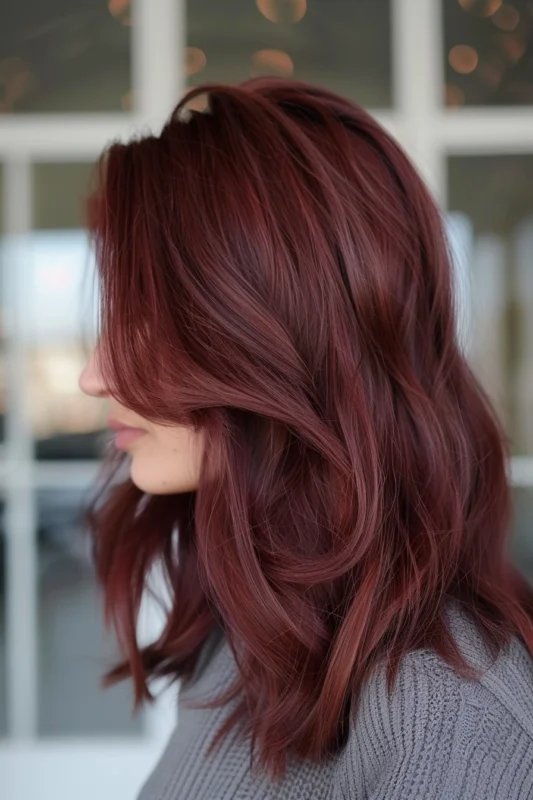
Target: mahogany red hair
275 274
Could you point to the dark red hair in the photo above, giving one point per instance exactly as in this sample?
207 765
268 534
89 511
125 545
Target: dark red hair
275 274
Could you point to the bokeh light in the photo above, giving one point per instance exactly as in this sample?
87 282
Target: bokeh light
463 58
272 61
195 60
455 96
506 17
282 11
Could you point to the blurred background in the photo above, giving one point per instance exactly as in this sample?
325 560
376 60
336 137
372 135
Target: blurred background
451 79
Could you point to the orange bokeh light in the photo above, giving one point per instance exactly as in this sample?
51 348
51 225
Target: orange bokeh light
117 7
282 10
506 17
463 58
274 61
454 96
195 60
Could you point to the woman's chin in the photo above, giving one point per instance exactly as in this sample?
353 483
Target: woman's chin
150 478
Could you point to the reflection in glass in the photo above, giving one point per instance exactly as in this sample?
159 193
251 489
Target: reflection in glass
74 652
60 307
58 56
495 193
345 46
488 52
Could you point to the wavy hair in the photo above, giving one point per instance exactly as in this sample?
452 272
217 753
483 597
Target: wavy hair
274 273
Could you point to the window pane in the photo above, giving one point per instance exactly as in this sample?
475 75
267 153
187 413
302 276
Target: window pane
522 541
495 196
3 696
65 55
73 650
2 372
344 46
488 52
59 313
3 678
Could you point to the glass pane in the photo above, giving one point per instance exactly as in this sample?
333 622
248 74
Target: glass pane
74 652
2 373
344 46
495 196
488 53
3 687
522 541
60 308
3 677
65 56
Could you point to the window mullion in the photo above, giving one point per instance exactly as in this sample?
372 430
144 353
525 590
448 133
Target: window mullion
20 522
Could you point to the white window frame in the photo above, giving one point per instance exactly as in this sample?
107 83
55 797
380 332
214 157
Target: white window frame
428 131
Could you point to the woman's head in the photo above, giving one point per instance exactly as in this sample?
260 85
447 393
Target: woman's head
251 254
275 281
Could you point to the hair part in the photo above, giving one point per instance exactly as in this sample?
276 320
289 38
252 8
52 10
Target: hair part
275 273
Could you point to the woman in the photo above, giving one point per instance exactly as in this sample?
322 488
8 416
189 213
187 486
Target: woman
312 463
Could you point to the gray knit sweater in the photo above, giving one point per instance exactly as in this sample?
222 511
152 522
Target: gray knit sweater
436 736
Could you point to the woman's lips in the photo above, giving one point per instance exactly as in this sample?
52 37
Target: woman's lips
124 435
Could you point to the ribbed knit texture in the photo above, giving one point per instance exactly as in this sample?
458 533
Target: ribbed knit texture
436 736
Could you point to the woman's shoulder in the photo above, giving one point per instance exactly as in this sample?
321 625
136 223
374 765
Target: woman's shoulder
442 734
424 676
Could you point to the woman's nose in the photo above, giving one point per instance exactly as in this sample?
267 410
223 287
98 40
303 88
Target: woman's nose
90 381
